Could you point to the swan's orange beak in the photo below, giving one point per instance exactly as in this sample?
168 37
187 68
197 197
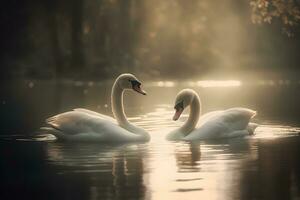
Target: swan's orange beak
138 89
177 113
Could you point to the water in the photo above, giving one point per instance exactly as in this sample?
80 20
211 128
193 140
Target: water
263 166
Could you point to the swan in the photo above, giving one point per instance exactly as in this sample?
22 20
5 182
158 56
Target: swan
86 125
233 122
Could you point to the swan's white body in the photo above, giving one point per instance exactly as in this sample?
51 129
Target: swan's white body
233 122
86 125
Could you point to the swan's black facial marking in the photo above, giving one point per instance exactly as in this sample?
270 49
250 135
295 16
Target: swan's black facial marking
135 83
179 106
136 86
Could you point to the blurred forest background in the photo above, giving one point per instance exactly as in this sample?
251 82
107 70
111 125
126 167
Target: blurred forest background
98 39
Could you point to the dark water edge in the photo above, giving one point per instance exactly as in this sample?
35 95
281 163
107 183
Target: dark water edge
27 173
277 174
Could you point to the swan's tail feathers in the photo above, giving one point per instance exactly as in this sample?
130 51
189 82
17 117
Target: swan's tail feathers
248 112
51 120
251 128
52 130
253 113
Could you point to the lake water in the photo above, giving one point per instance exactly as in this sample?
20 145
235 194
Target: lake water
263 166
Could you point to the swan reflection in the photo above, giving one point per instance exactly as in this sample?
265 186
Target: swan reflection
188 156
102 171
209 166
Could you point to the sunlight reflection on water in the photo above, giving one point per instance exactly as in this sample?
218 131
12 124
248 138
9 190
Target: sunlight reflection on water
165 170
220 169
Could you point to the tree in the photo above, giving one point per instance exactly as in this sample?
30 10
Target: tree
77 33
286 11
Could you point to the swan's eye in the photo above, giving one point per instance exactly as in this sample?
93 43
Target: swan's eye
179 106
136 86
134 83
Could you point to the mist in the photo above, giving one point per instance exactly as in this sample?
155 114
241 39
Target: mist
173 39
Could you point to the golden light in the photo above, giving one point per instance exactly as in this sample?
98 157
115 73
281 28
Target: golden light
214 83
165 84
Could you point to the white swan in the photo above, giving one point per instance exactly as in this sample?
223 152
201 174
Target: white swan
233 122
86 125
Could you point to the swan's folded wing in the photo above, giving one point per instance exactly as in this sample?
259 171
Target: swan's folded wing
95 114
221 124
211 129
75 122
208 117
237 118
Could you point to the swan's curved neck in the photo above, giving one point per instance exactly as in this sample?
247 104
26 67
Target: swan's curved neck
117 105
193 118
118 112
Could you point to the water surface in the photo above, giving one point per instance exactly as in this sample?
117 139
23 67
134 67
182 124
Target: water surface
263 166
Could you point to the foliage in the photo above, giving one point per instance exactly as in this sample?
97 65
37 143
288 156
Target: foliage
287 11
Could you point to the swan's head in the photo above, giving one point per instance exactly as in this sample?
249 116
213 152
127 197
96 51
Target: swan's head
183 99
129 81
